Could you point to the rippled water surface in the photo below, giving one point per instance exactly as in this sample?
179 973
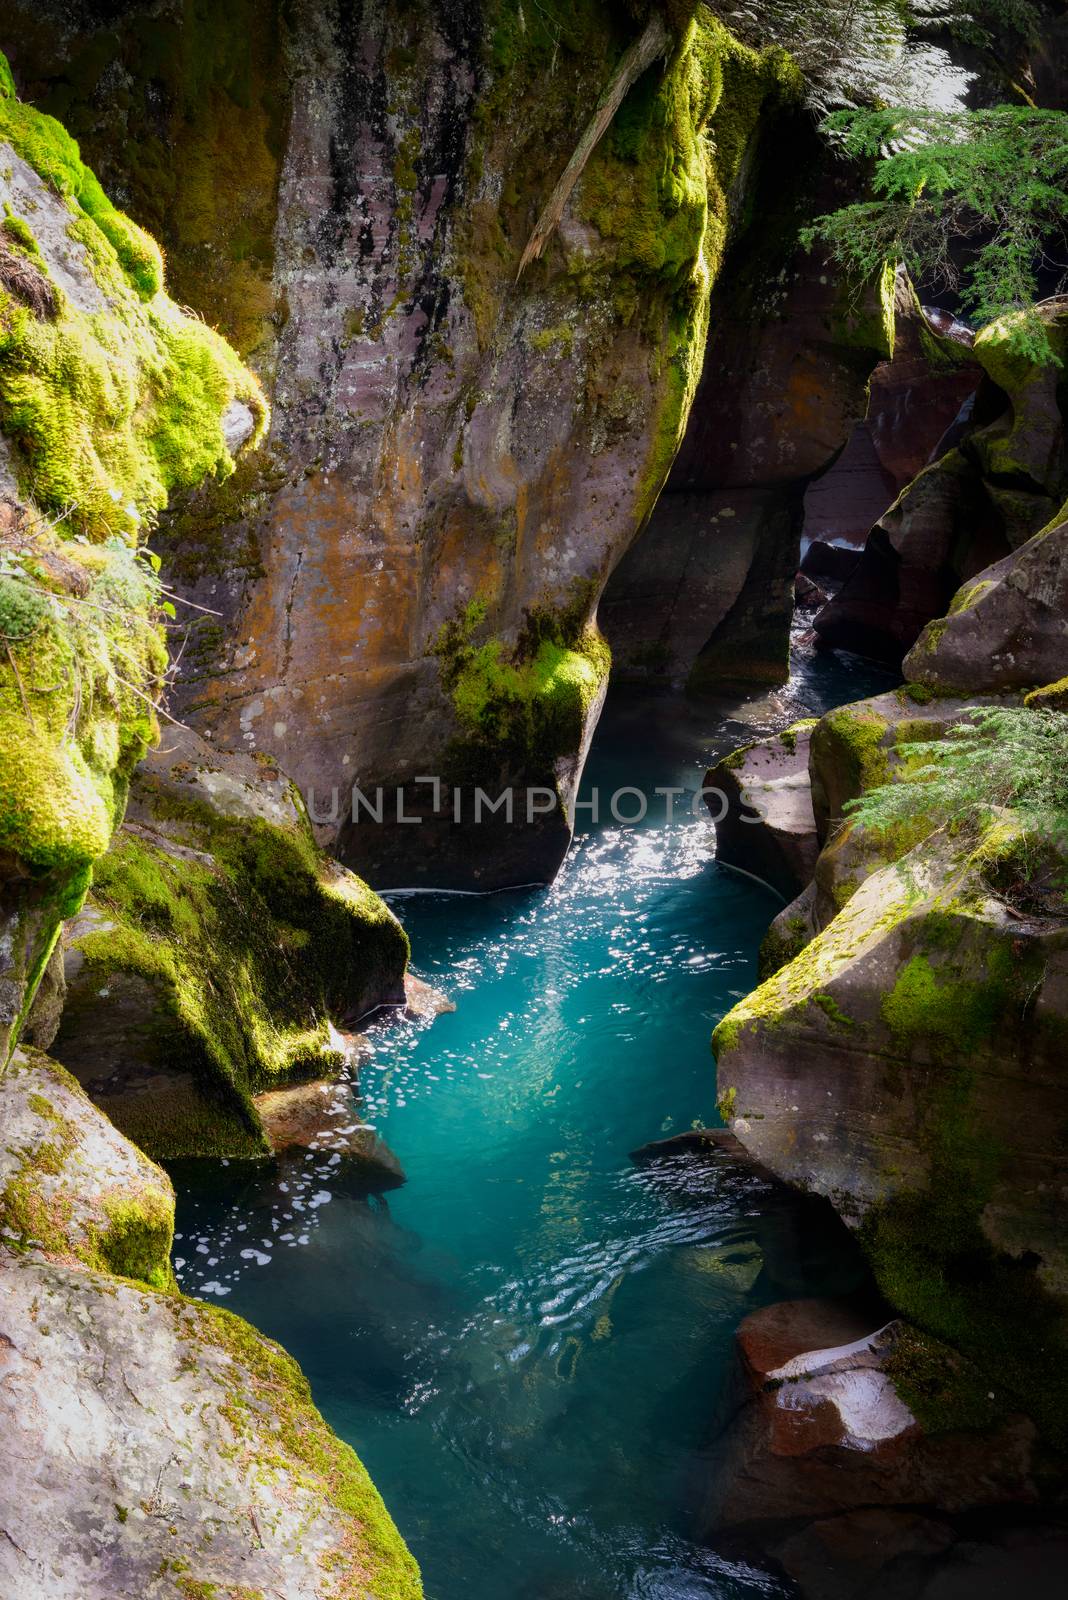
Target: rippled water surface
528 1342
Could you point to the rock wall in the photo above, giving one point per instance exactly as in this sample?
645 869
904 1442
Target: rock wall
457 459
1001 476
111 399
904 1054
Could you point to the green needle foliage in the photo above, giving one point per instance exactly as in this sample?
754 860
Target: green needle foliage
1000 760
990 187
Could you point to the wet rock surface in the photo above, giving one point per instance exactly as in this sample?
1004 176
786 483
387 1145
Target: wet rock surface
219 956
761 802
829 1474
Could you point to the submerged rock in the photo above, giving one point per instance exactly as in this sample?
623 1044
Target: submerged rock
321 1116
217 952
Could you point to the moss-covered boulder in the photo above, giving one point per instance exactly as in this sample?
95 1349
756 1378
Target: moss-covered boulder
72 1189
909 1063
172 1451
111 397
855 747
1007 630
218 955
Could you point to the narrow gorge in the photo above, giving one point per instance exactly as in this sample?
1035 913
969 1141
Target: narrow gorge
533 537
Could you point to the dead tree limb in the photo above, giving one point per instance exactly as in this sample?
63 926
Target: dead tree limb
652 44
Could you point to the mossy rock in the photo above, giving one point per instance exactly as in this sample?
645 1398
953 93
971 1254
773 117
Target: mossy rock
218 951
111 397
72 1189
909 1065
182 1454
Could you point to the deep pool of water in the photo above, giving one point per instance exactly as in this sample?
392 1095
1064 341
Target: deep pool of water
529 1341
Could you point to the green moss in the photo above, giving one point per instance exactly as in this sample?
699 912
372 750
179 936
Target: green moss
112 410
788 737
969 596
832 1010
782 942
727 1105
248 955
1052 696
375 1563
868 327
184 114
74 718
135 1236
945 1392
531 703
941 1009
560 339
107 412
860 738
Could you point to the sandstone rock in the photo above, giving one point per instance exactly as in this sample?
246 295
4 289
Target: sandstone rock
459 459
909 1064
832 561
836 1061
172 1448
1000 483
940 531
321 1116
217 952
72 1189
1008 629
91 460
778 437
828 1429
704 594
767 827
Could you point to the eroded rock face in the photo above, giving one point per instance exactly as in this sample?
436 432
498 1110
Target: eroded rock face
459 460
72 1189
171 1445
1003 479
1007 629
828 1470
764 821
786 434
218 956
704 595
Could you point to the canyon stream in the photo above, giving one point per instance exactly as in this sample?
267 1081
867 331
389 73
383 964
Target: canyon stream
531 1343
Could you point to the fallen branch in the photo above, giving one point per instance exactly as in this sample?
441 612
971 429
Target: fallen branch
642 53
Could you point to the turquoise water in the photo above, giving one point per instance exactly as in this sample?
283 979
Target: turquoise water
529 1342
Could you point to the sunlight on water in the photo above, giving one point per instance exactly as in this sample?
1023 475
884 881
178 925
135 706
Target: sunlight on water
528 1342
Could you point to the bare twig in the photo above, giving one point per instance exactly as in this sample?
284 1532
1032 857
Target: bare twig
22 690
